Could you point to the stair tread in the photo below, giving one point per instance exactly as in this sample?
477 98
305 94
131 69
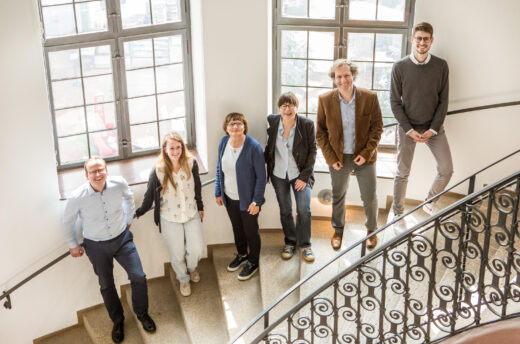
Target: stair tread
99 325
277 275
241 300
203 326
165 311
76 334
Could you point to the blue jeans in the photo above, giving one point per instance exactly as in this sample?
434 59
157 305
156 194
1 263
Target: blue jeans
301 233
101 255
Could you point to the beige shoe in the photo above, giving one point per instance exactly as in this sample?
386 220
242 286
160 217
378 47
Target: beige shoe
185 289
194 276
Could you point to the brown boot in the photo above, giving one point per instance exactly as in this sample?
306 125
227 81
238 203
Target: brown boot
371 242
336 240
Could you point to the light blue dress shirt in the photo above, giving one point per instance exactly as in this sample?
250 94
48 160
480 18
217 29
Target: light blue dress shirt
103 215
284 163
348 117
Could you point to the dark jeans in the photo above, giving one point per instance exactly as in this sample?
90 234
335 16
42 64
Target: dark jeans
245 230
301 233
101 255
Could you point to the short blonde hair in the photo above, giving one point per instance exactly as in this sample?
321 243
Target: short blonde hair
344 62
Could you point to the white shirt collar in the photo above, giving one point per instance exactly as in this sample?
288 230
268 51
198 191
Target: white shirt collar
414 60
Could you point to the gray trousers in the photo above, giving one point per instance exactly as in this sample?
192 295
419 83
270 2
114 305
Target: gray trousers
440 149
366 177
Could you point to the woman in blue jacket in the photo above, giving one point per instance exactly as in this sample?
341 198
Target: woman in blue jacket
240 185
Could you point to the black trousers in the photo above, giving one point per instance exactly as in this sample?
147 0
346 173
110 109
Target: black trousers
245 230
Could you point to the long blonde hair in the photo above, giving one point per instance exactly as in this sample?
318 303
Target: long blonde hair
165 162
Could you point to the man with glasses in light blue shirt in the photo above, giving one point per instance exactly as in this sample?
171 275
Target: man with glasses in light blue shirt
105 207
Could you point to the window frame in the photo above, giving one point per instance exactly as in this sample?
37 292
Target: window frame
343 26
115 36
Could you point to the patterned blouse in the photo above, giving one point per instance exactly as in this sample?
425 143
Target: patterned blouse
178 205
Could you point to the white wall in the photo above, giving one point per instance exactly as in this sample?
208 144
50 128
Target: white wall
475 37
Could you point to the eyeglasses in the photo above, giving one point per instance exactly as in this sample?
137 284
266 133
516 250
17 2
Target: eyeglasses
235 124
287 106
99 170
424 39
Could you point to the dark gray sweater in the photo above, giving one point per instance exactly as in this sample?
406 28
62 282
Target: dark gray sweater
419 94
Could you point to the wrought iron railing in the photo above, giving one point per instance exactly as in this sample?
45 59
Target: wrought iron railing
316 278
456 270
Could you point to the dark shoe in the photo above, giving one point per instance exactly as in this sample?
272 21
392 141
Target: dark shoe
118 332
148 324
336 241
235 263
372 242
287 252
248 271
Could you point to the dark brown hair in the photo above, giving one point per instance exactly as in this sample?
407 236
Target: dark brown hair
235 116
287 98
423 26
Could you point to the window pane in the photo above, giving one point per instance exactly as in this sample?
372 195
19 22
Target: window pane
73 148
98 89
300 93
138 54
142 110
58 21
321 45
166 11
388 137
294 44
67 93
382 75
55 2
64 64
96 60
91 16
388 47
318 73
168 50
135 13
294 8
104 143
171 105
144 137
314 93
392 10
169 78
360 46
177 125
322 9
362 10
364 78
101 116
384 103
70 121
140 82
294 72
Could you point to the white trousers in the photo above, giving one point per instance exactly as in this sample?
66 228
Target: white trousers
185 245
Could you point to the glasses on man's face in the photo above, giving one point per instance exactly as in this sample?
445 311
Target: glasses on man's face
235 125
99 170
424 39
287 106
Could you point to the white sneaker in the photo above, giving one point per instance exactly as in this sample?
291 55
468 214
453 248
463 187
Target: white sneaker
185 289
195 276
428 208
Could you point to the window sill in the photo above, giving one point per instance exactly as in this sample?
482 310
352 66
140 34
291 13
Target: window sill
135 171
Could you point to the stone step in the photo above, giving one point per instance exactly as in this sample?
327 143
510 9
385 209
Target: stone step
202 310
99 325
164 310
241 300
76 334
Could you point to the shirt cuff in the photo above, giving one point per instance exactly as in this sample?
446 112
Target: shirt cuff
409 131
433 131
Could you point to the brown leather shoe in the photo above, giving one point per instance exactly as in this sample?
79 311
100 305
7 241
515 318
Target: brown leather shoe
336 240
372 242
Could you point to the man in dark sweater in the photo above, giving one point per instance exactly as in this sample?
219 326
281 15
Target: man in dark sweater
419 100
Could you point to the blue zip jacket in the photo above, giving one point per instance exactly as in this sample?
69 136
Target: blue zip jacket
251 176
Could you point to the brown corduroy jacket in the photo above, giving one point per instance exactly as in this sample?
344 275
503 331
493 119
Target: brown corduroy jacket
368 127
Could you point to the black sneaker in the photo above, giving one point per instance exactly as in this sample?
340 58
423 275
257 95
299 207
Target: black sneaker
235 263
148 323
248 271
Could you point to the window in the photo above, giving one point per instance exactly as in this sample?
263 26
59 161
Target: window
311 34
119 76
